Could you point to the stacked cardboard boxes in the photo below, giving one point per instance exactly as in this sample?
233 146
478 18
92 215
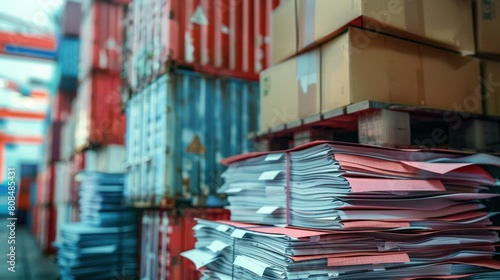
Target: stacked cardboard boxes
330 54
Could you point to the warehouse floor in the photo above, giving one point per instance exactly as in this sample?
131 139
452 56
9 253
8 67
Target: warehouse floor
31 264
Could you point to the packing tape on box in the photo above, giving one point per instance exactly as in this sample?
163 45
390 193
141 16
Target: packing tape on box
308 82
306 22
414 16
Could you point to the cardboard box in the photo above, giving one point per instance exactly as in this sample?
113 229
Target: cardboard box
290 90
443 23
362 65
490 72
487 26
283 32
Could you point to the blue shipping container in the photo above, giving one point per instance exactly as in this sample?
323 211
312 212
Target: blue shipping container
69 58
178 129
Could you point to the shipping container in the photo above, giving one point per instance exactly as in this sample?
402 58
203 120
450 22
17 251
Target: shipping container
64 215
72 17
27 174
53 142
99 118
166 234
107 159
180 127
14 154
101 38
68 135
226 37
68 60
35 213
87 4
46 185
61 105
15 105
63 182
47 225
18 128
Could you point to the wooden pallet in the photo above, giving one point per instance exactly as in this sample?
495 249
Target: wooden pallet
431 128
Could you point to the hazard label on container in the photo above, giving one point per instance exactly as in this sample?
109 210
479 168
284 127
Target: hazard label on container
199 16
196 147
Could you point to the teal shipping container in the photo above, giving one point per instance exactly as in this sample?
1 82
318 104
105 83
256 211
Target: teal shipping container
68 59
179 127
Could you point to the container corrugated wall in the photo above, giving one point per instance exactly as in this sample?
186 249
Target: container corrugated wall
101 38
99 119
68 57
223 37
62 105
68 137
179 129
71 19
164 235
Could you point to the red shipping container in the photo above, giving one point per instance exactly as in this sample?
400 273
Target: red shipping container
101 38
45 186
223 37
165 235
61 106
46 232
53 148
23 197
99 119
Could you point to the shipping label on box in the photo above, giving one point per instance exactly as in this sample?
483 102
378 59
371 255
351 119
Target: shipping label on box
290 90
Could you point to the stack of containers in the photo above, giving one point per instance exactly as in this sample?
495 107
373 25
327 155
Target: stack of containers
99 121
87 106
52 206
93 135
22 124
191 97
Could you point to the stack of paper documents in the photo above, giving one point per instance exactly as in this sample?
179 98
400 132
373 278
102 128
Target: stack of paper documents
101 200
350 186
230 250
104 244
330 210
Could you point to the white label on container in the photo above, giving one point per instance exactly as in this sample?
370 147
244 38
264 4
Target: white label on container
199 16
